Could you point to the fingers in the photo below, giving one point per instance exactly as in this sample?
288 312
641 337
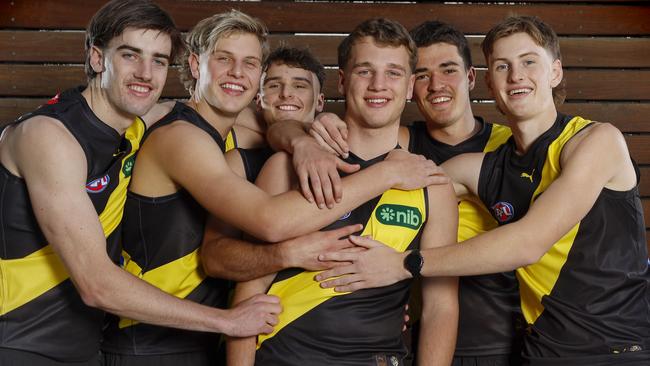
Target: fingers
336 186
365 241
334 272
338 257
347 167
341 282
303 179
345 231
323 143
315 186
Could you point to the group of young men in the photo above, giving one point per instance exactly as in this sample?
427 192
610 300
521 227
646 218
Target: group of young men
122 262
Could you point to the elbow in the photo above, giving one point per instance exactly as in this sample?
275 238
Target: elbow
92 294
271 229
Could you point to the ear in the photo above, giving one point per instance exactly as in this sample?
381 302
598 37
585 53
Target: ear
471 78
97 59
258 101
320 102
557 73
341 84
409 92
193 60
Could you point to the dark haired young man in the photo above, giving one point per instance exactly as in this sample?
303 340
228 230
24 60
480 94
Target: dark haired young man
65 169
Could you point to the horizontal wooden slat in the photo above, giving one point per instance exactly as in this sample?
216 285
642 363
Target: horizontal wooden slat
55 46
644 186
288 16
27 80
646 211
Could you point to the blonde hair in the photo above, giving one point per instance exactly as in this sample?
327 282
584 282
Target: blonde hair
205 35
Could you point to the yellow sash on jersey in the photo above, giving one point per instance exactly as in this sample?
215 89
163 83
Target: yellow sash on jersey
27 278
538 279
395 221
231 140
473 217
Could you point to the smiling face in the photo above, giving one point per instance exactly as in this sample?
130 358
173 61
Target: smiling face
228 77
442 85
133 70
521 76
376 82
290 93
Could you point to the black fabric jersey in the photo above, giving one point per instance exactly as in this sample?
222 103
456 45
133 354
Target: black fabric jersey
494 328
321 327
253 160
161 241
40 310
587 300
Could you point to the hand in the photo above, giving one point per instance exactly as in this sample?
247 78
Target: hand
379 265
414 171
331 133
318 174
303 251
253 316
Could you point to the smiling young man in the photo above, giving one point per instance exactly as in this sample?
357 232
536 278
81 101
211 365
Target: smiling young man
318 327
181 176
65 169
565 193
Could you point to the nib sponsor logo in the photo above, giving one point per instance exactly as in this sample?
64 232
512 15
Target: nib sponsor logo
398 215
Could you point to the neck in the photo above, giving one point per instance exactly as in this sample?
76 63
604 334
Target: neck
99 103
368 143
220 121
526 131
456 132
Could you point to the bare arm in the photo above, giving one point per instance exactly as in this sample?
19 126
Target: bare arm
241 351
439 323
316 166
569 198
200 168
53 166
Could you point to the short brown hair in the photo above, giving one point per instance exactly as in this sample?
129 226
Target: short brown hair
541 33
384 32
206 33
114 17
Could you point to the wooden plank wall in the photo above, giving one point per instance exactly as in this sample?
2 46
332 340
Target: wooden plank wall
605 45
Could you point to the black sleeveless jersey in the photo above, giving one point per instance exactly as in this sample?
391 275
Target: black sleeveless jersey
40 309
498 324
253 160
587 299
322 327
161 241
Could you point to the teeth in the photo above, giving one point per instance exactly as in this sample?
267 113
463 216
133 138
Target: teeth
286 107
139 89
232 87
440 100
377 100
519 91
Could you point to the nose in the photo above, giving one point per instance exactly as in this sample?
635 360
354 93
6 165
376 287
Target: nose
286 92
143 70
435 83
378 81
236 69
515 73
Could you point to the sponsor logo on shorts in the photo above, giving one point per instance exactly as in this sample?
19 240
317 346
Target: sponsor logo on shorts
503 211
399 215
98 185
127 168
54 100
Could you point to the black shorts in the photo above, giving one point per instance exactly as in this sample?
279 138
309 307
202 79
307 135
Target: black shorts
492 360
12 357
172 359
623 359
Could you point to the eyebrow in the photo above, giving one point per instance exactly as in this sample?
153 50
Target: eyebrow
390 65
531 53
232 54
297 78
139 51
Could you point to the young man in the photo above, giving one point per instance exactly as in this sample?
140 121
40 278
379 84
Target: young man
564 191
291 90
444 77
318 327
181 175
65 169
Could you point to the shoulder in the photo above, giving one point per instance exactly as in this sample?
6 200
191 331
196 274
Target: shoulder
158 111
599 138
